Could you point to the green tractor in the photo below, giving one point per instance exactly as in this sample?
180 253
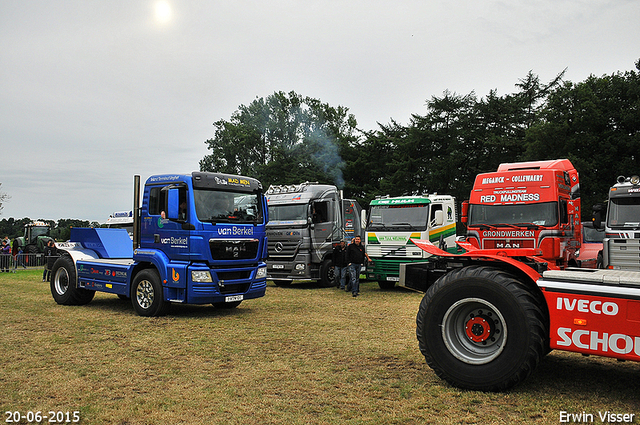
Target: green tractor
36 236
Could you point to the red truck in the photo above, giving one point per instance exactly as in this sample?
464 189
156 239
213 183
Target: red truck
528 209
490 314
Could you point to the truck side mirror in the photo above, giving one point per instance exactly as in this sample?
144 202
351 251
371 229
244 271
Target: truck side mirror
464 215
439 219
173 204
598 210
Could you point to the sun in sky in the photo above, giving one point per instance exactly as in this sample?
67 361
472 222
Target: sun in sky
163 11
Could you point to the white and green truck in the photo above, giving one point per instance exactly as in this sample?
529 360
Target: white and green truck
393 222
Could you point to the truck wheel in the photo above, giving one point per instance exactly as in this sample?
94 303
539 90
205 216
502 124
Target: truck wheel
63 284
227 305
146 294
327 274
600 261
481 329
386 285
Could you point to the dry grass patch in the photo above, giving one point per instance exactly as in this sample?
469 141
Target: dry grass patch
300 355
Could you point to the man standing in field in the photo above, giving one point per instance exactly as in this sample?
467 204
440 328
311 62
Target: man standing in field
340 264
355 256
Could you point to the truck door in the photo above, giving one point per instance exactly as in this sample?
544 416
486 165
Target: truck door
352 221
168 225
322 227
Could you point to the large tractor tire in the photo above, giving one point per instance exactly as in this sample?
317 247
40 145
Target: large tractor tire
146 294
327 274
479 328
63 284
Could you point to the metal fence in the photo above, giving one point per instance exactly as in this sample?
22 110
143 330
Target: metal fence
22 261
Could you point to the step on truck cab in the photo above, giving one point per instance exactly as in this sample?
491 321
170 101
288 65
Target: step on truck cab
197 239
305 221
621 243
491 313
393 223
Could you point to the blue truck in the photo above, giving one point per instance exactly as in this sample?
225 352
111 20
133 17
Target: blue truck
197 239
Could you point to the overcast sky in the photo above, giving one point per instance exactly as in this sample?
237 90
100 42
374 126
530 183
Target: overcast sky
95 91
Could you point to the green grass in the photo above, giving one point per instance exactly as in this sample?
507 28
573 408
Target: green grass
300 355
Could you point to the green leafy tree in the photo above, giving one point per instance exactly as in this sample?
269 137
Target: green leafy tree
596 125
284 138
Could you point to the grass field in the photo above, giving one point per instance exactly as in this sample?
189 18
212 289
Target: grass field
300 355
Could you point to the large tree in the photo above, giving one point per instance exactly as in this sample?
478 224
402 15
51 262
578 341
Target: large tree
595 124
283 139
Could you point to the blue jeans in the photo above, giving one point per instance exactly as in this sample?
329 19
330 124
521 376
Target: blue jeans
354 270
339 276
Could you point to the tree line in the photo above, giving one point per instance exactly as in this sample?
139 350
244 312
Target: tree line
287 138
60 230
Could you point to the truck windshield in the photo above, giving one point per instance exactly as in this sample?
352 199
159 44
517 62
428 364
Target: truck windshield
39 231
398 217
542 214
289 213
217 206
624 212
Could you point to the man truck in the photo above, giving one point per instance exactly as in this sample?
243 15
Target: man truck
394 222
490 314
197 239
305 221
621 243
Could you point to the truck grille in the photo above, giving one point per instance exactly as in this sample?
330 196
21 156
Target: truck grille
283 250
233 288
234 249
624 253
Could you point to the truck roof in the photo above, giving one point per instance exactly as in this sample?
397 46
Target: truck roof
625 187
205 180
520 186
555 164
298 194
411 200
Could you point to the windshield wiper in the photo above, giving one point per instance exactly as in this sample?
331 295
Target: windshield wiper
513 226
529 225
372 225
403 224
485 226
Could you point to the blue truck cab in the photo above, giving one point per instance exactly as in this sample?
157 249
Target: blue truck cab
197 239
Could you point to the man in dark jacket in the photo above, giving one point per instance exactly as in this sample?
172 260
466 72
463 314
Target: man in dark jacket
51 254
356 256
340 264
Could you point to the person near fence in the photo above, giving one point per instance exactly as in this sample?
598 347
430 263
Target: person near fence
16 253
5 256
50 255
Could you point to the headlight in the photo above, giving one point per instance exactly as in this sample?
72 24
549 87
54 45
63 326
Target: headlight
201 276
262 272
299 266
